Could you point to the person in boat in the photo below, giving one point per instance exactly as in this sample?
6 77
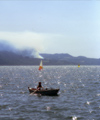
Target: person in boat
39 87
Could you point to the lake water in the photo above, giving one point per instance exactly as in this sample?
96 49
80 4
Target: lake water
78 99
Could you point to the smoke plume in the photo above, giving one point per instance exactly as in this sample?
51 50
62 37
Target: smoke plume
29 52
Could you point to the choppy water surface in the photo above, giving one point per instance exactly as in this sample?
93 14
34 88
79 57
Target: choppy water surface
79 96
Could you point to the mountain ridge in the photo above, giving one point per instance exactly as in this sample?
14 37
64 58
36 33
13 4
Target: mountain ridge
11 58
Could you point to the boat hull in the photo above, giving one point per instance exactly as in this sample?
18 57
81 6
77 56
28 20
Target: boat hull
49 92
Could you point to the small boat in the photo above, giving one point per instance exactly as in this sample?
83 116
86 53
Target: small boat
48 92
78 65
41 65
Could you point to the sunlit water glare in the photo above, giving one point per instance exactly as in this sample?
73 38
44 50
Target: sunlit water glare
78 99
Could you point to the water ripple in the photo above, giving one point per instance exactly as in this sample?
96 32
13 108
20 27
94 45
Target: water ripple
79 95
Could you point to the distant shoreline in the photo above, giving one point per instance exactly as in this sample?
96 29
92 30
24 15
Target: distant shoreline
11 59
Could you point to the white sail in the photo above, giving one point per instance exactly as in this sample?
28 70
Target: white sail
41 65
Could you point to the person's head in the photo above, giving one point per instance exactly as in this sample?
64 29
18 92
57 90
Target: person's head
39 83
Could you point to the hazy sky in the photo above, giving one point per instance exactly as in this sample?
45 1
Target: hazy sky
52 26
